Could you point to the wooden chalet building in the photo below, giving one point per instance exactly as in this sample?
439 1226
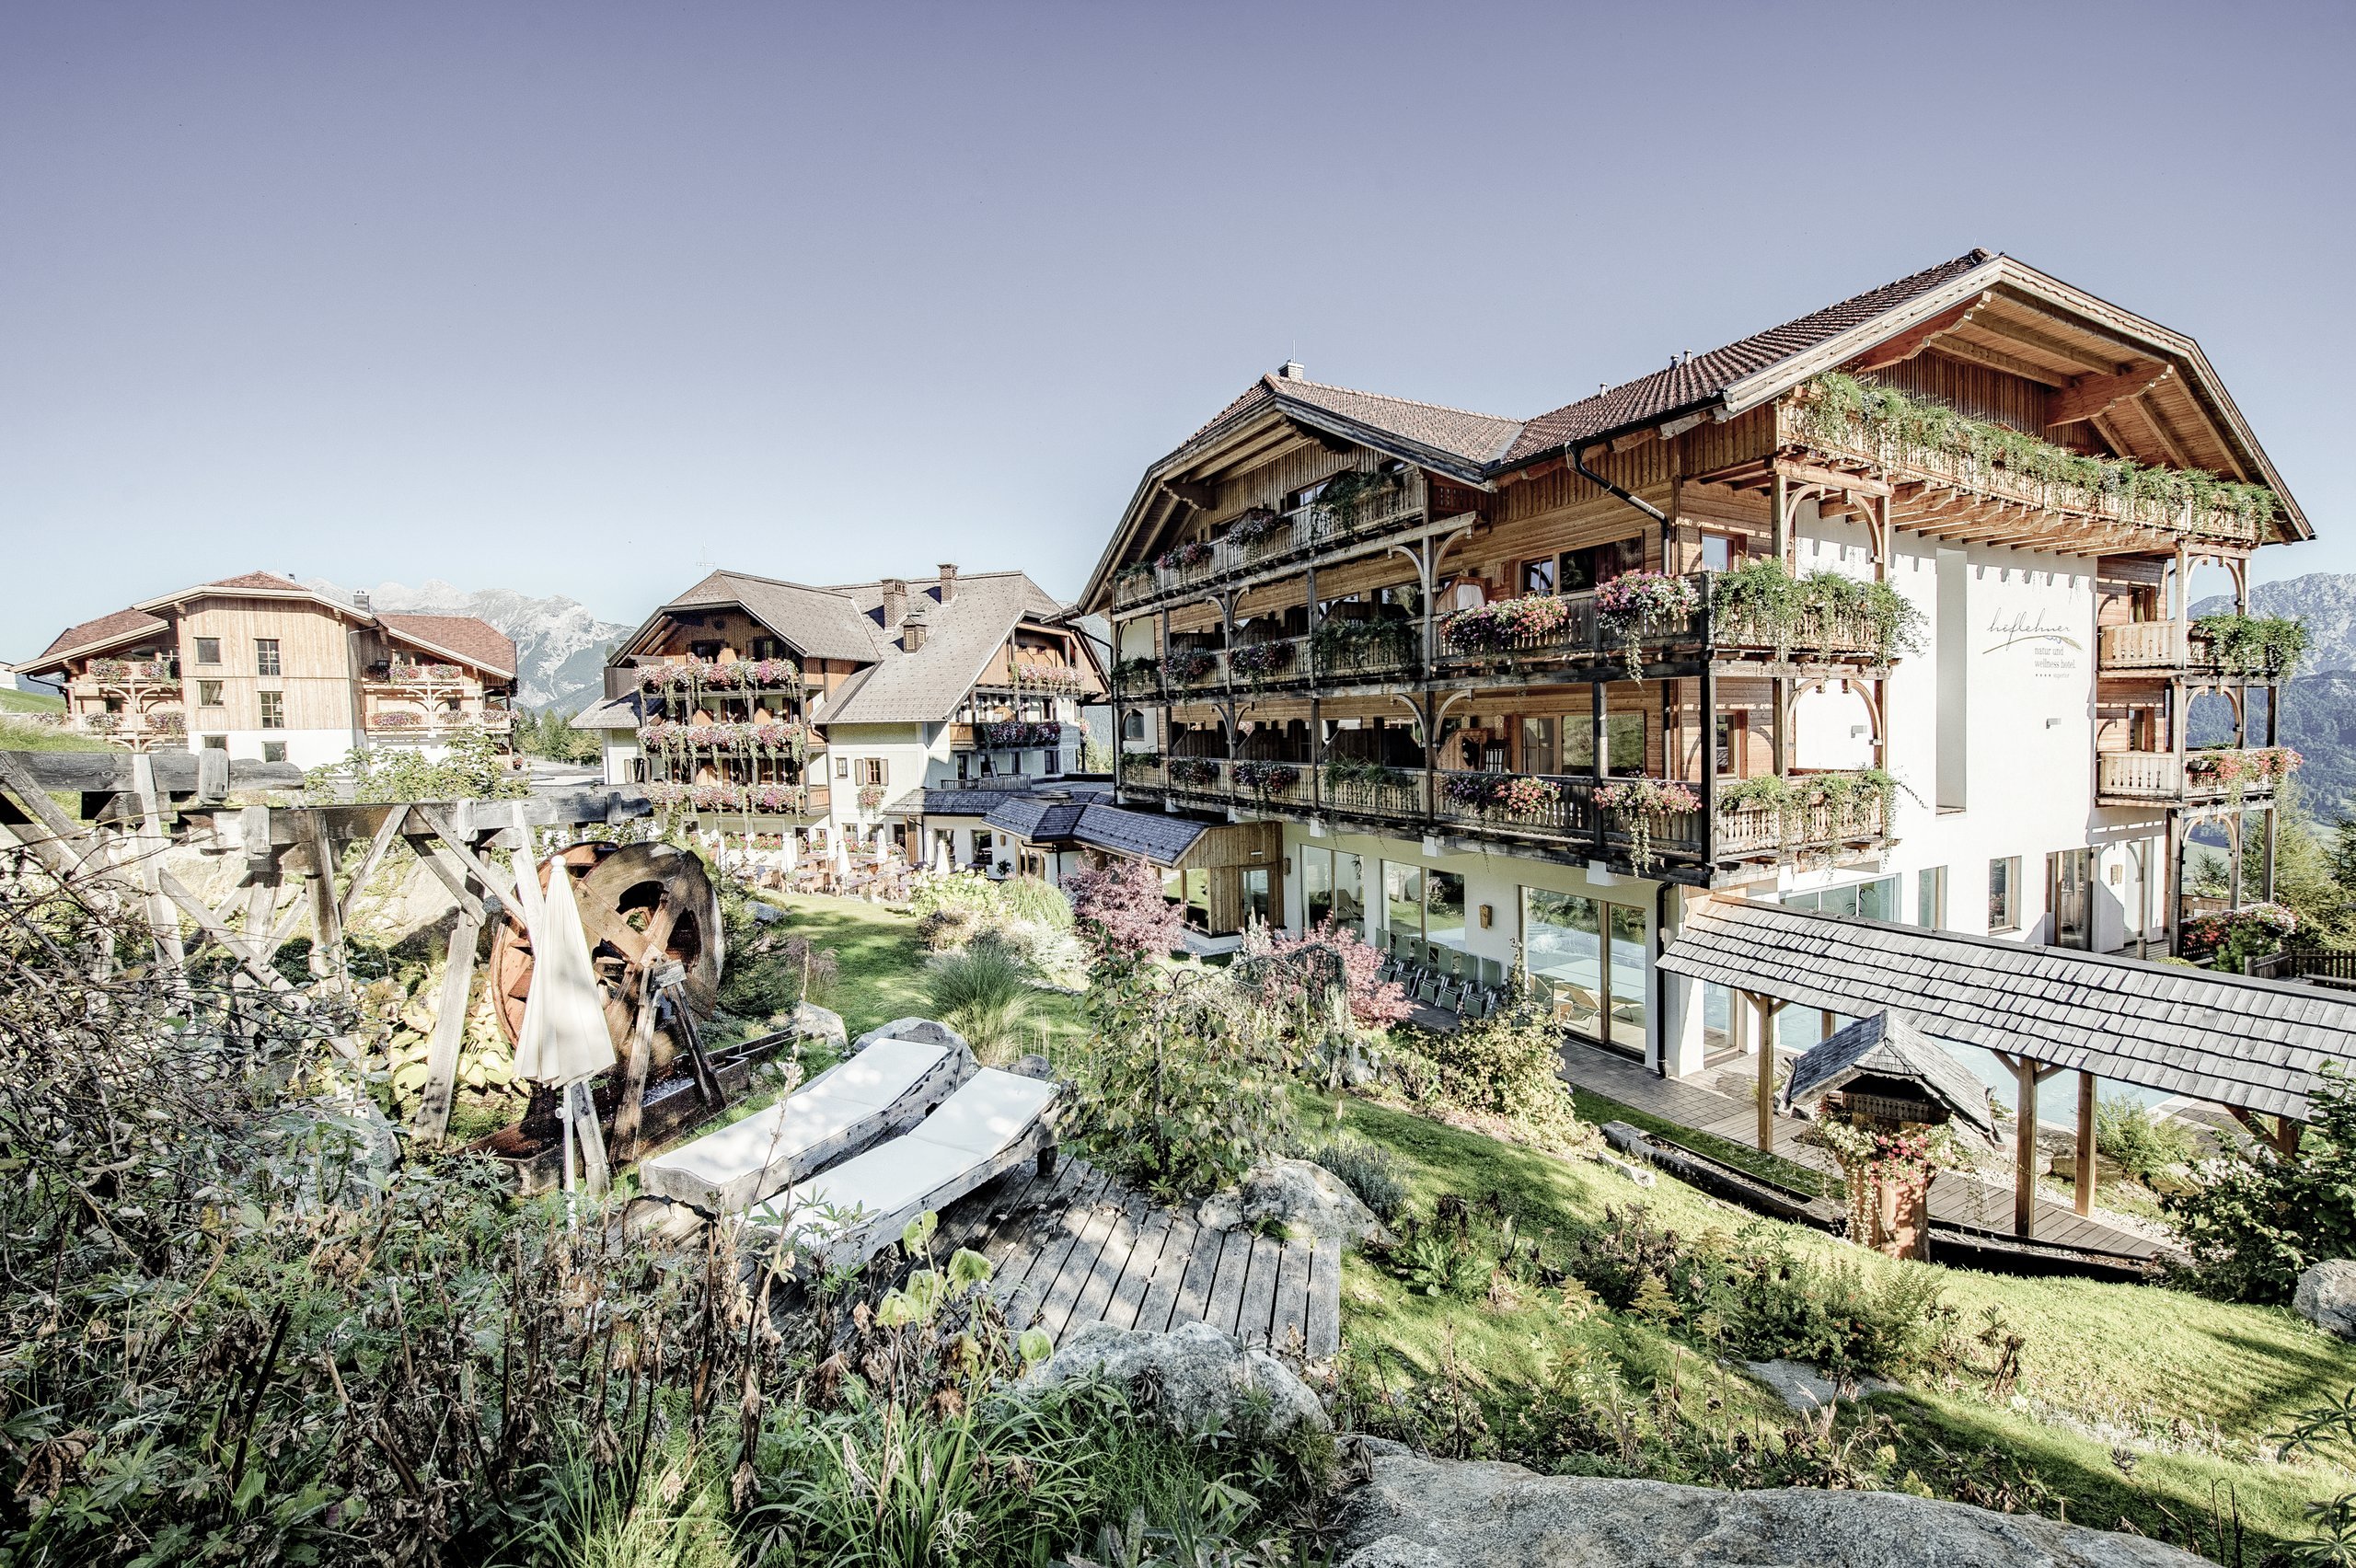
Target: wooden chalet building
763 706
265 669
1883 612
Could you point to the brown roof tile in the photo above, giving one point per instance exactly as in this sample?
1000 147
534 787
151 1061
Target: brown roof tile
1703 377
475 641
102 632
258 579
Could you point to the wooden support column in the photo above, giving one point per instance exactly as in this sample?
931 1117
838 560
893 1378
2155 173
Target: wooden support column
162 918
433 1119
1767 1010
327 956
2085 1183
1824 1023
2027 1075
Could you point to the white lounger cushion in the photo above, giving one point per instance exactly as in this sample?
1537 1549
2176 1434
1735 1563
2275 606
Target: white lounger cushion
966 1136
743 1163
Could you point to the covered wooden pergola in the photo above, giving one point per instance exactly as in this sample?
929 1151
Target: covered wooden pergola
2253 1046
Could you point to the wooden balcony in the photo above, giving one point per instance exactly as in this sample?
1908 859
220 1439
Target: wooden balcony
2169 647
1851 444
1560 819
2214 776
1304 532
434 729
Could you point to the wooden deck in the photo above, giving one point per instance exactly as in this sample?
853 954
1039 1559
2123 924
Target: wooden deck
1080 1247
1956 1198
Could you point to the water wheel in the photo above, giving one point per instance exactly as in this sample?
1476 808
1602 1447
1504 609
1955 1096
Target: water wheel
646 907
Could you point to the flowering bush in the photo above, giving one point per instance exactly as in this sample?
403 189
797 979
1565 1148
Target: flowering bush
1525 796
109 669
420 674
1014 735
1187 665
1135 675
1121 913
2238 934
1255 526
1511 794
1506 623
1057 679
1637 599
170 721
1355 966
1186 557
1643 805
740 675
1193 770
870 797
399 719
1260 660
2238 768
1266 778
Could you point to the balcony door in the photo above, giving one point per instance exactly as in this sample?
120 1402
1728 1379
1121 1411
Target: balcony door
2070 894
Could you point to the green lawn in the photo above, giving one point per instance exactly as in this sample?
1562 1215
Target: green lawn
2211 1380
17 736
30 702
882 969
1599 1109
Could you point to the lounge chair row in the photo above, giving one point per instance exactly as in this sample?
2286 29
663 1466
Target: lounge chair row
843 1163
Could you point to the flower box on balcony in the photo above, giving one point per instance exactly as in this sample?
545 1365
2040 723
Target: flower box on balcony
1193 772
1254 528
1265 778
870 797
1190 666
1507 624
1186 557
1018 735
1261 660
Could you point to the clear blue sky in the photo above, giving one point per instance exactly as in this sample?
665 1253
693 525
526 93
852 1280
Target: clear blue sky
578 298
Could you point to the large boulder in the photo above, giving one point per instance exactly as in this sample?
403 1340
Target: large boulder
2327 1296
1194 1377
932 1031
1419 1512
1294 1195
808 1020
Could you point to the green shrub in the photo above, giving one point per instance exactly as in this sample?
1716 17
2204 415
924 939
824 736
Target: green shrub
2254 1221
984 993
948 926
1371 1172
1028 898
968 890
1508 1064
1184 1083
2143 1145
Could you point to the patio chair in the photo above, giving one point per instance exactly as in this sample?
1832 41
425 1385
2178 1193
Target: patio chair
886 1087
852 1211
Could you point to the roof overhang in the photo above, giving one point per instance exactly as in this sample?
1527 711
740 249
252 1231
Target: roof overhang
634 642
450 653
352 613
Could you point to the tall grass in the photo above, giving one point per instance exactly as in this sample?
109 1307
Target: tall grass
985 994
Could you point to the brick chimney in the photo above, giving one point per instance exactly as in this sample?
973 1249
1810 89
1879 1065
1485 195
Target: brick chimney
895 602
948 580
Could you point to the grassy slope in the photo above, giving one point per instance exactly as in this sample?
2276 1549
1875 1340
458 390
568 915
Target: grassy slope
2133 1355
40 737
29 702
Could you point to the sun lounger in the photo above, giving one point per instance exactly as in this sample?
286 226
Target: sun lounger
884 1089
848 1212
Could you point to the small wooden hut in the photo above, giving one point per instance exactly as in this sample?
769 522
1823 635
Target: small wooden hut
1886 1086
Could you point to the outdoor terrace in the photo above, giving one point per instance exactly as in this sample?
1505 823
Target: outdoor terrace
2213 776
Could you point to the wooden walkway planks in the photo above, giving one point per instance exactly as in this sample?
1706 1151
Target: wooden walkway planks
1078 1248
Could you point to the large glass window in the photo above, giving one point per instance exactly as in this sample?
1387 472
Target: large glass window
1623 740
1876 900
1930 898
1402 901
1316 886
1444 910
1256 895
208 650
2005 894
1625 1000
1561 941
1350 890
1542 748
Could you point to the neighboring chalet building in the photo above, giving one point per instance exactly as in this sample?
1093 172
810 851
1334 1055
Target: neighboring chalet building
765 706
1532 691
263 668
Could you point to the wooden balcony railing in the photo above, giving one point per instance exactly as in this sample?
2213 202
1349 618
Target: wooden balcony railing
1749 832
404 722
2167 647
2199 777
1302 532
1801 428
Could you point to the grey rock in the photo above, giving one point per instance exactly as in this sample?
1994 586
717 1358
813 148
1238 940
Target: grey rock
808 1020
1203 1376
1460 1514
766 914
1804 1389
1034 1065
932 1031
1375 1447
2327 1296
1297 1194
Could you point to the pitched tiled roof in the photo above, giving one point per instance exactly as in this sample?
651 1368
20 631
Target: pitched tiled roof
473 639
2253 1043
1474 439
1701 379
103 632
259 579
818 621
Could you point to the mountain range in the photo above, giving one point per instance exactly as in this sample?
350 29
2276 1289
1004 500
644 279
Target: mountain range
2319 705
559 645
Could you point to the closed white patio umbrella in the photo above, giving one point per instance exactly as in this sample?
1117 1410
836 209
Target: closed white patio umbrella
564 1041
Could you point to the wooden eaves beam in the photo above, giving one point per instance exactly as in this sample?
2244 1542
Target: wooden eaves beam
1912 341
2091 395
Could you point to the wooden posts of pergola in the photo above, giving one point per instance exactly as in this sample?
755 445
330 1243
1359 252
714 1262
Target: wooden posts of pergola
2027 1073
1763 1012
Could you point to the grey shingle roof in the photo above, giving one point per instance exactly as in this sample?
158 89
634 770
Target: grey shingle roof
961 802
1886 1046
961 638
1473 438
1160 837
621 712
1020 815
2253 1043
821 622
